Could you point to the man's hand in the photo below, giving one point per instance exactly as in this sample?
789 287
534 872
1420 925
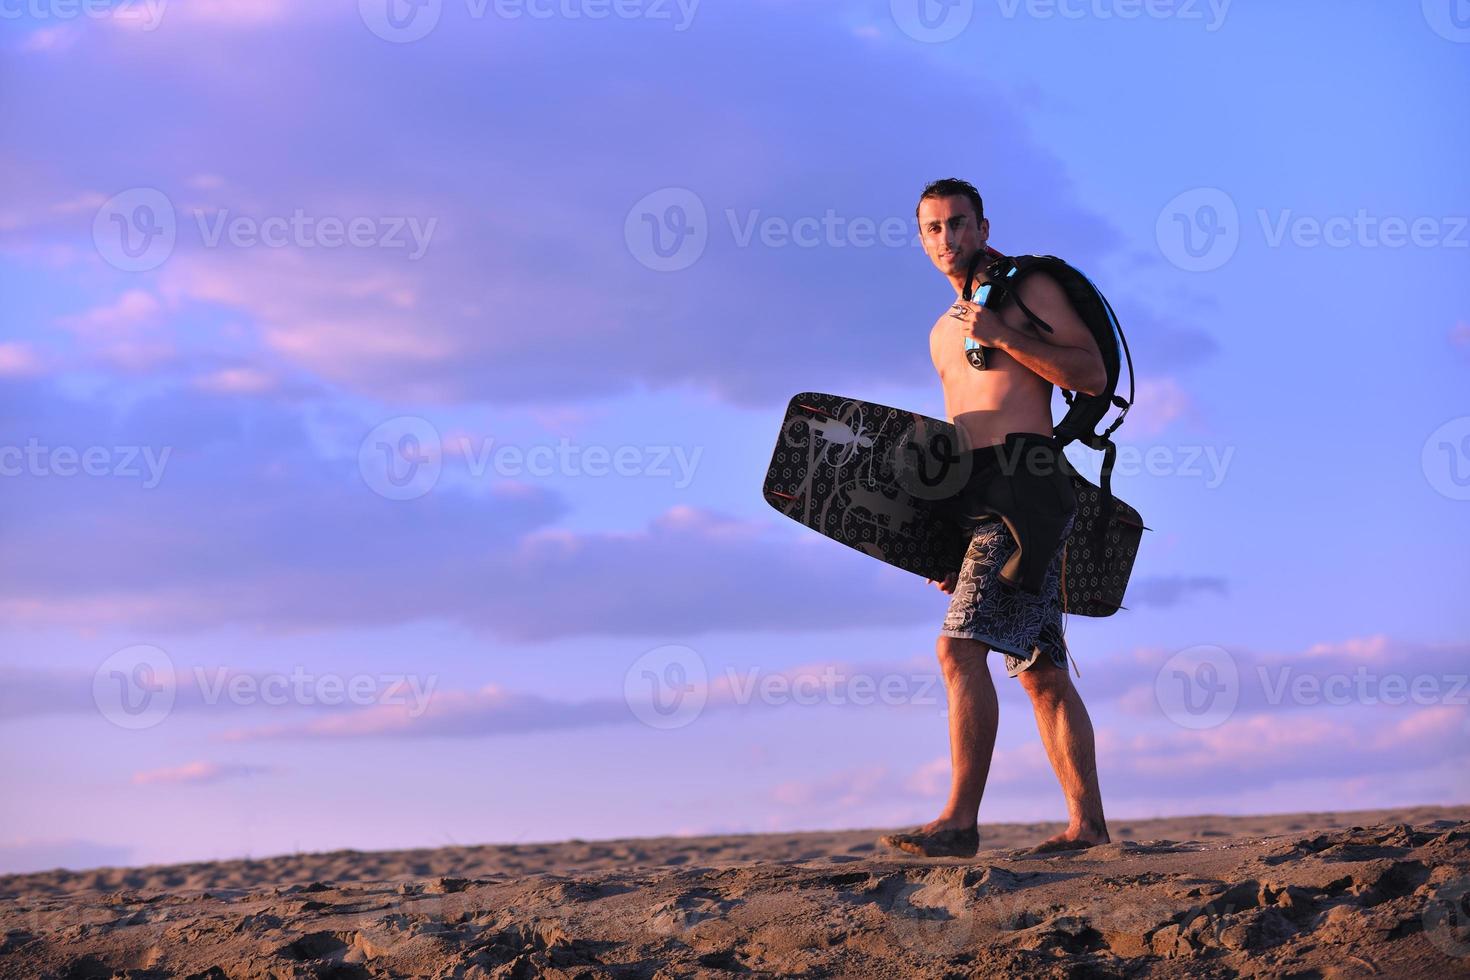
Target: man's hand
984 325
948 584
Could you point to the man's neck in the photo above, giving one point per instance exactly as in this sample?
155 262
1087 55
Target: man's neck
981 278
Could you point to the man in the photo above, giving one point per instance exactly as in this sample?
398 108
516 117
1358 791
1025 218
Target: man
1008 391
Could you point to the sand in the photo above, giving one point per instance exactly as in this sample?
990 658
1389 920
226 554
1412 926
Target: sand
1370 893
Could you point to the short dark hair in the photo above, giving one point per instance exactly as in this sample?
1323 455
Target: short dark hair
950 187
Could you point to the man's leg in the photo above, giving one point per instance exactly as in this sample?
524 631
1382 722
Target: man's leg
1066 732
974 714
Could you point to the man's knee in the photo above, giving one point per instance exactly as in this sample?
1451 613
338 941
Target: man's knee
1045 681
958 654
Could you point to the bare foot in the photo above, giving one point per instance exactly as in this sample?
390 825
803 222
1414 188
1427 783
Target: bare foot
940 838
1072 840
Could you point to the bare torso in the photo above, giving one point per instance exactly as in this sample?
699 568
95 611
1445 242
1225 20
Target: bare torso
1005 397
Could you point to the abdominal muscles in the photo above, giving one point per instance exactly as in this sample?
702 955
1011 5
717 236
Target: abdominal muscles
986 405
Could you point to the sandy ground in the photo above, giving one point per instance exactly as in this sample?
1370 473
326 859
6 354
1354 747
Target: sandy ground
1374 893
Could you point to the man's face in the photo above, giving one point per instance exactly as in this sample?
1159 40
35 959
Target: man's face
950 233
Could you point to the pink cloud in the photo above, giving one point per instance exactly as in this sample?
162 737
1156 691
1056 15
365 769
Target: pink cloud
129 333
237 380
51 39
197 772
1159 402
845 789
18 359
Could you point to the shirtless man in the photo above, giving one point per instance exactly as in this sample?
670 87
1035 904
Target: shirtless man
1011 394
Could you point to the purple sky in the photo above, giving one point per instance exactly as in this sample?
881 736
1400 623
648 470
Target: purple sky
571 259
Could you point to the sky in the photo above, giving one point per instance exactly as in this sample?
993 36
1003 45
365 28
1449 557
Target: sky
386 389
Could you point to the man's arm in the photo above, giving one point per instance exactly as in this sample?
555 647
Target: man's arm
1068 357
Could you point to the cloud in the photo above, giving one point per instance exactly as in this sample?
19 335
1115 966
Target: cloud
1166 591
198 772
50 39
493 710
530 289
1460 335
1252 753
206 510
129 333
1374 672
18 359
843 790
1158 403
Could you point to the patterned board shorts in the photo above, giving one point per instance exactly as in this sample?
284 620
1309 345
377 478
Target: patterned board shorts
1018 624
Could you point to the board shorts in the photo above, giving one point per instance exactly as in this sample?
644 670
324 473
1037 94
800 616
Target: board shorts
1022 626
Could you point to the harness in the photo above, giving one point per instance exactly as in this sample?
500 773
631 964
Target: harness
1084 412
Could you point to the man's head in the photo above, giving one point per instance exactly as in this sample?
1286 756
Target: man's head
952 224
